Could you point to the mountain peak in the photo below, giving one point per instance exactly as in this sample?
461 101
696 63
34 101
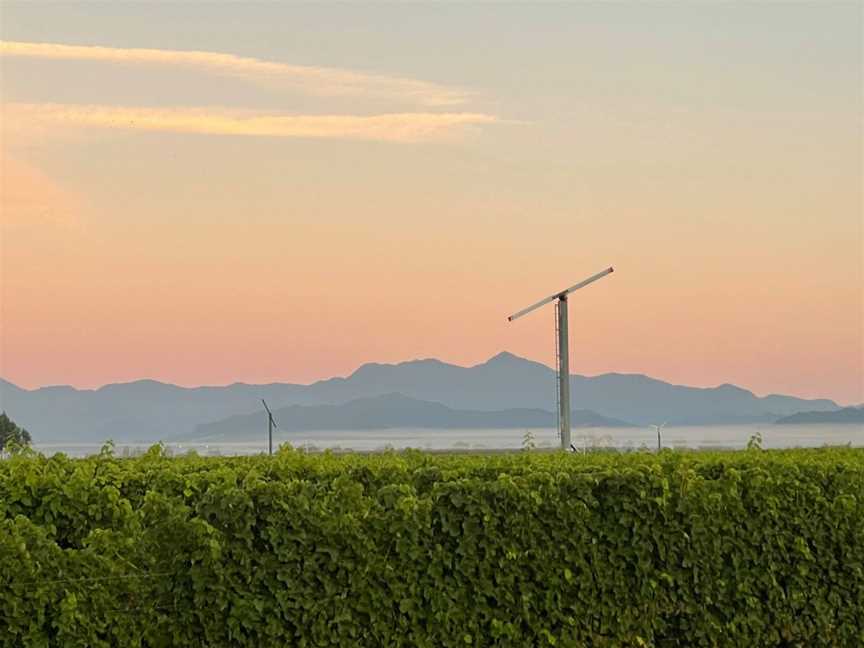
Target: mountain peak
505 357
505 361
733 389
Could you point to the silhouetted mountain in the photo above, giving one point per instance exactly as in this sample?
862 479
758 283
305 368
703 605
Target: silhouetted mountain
144 410
390 411
147 410
853 415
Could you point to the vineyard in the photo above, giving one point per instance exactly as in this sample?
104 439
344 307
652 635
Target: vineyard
752 548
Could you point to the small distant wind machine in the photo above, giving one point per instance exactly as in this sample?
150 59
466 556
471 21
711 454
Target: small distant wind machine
271 423
562 350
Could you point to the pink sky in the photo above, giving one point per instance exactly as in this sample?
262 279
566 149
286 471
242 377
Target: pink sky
268 216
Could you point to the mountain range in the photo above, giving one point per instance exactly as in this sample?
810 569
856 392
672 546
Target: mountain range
390 411
853 415
147 410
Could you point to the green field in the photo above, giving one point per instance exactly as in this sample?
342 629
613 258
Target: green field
752 548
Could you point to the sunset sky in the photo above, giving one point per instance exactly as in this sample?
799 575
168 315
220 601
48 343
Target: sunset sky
206 193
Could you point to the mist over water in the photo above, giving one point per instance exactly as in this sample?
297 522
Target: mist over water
693 437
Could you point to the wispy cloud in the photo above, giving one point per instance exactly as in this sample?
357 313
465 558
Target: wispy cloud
393 127
320 81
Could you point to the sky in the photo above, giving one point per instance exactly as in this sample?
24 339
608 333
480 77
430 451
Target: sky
204 193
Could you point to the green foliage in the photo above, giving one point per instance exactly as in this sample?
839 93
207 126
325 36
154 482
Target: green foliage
411 549
11 435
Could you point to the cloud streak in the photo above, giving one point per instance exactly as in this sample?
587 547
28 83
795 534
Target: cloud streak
318 81
391 127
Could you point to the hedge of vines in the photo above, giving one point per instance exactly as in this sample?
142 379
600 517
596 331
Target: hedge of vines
754 548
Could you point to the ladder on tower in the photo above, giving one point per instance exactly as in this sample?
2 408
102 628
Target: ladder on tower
557 374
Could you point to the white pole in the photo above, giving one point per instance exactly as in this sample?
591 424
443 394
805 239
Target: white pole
563 373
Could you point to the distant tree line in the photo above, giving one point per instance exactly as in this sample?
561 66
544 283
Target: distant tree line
12 434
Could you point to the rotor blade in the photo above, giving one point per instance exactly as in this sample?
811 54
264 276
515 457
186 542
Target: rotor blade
545 301
587 281
525 311
267 408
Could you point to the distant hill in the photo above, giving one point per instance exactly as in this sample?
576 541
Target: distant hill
391 411
853 415
144 410
147 410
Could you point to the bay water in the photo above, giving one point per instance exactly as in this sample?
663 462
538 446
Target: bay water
693 437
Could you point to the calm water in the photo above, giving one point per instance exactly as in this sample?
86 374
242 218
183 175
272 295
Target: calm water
710 436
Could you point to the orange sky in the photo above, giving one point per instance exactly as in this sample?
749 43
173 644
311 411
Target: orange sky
200 220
